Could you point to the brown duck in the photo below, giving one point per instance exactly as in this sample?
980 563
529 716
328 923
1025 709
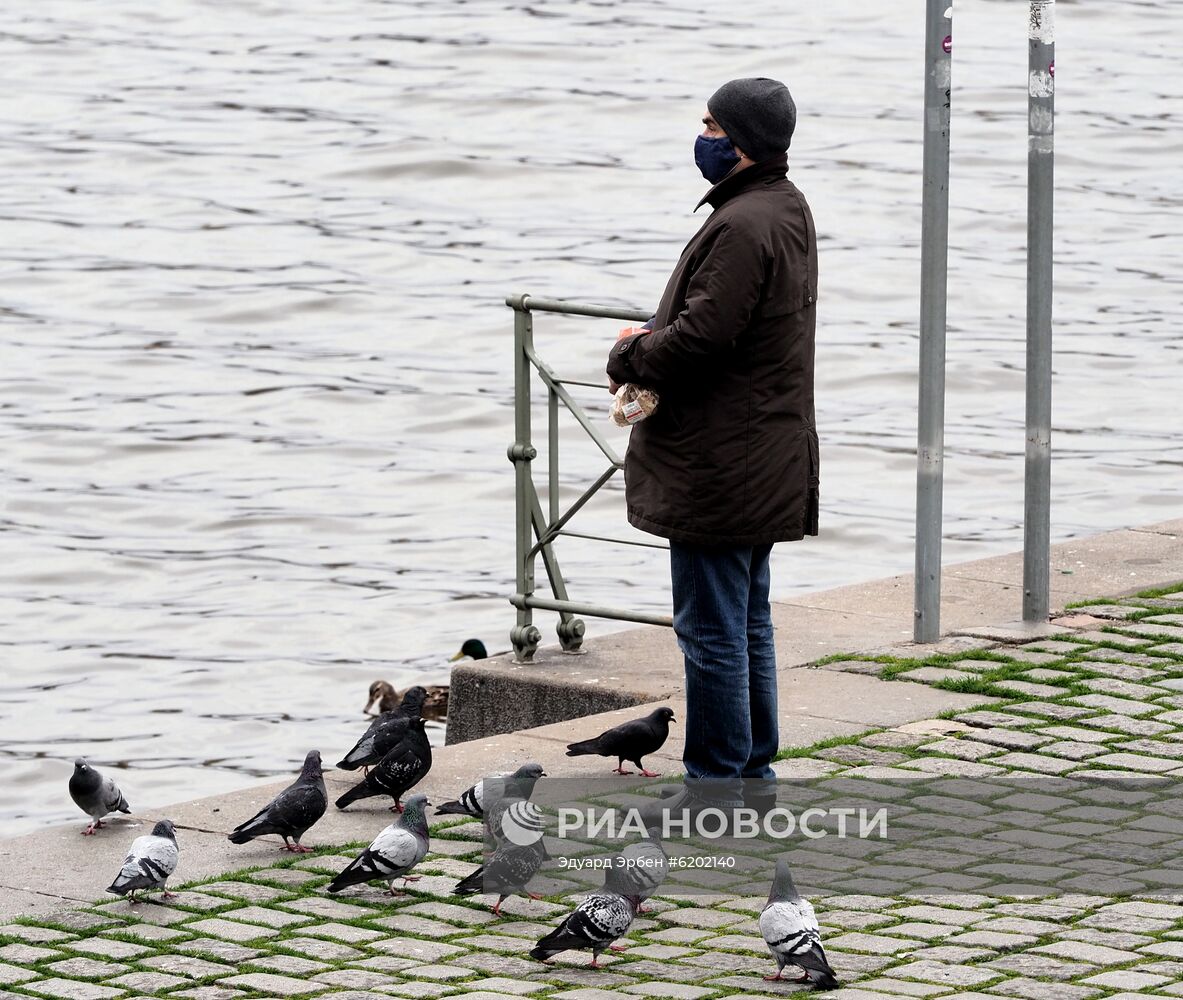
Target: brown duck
435 706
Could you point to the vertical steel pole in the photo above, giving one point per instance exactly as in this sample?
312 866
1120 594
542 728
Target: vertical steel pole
1041 91
524 635
934 260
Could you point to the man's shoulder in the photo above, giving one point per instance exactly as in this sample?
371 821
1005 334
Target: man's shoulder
760 208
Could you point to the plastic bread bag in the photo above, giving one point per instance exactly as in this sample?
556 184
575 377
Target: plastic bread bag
632 404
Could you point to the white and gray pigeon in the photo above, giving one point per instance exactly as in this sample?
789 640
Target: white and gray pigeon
647 865
292 811
790 930
149 863
474 800
394 852
595 923
95 794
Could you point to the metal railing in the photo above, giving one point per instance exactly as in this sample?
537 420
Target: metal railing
538 528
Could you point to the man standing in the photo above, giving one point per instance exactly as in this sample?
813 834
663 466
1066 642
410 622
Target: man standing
728 463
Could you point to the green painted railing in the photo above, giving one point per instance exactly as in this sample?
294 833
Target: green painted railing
538 528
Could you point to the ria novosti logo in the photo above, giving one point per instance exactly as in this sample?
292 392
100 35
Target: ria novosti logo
523 823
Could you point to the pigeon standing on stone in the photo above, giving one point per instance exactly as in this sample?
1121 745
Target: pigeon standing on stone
394 852
292 811
402 768
506 872
595 923
149 863
385 732
472 801
629 741
646 866
790 930
95 794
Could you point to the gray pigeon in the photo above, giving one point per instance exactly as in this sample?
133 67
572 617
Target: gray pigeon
629 741
595 923
385 732
506 872
402 768
790 930
95 794
394 852
646 866
472 801
149 863
292 811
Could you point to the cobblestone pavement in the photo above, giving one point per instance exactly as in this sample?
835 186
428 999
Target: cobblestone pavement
1101 698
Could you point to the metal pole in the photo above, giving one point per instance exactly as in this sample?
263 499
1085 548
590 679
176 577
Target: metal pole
1041 99
934 260
525 635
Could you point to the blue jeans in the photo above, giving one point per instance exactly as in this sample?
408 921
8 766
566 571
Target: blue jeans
724 627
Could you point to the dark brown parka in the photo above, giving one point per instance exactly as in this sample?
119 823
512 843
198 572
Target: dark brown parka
730 456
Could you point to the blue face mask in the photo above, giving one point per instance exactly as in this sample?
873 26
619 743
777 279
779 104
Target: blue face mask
715 157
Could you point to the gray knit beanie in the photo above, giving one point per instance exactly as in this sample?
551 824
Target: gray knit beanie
757 114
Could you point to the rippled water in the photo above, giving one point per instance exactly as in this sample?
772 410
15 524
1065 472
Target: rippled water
256 367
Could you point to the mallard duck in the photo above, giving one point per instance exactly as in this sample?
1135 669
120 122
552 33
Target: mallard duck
435 704
474 649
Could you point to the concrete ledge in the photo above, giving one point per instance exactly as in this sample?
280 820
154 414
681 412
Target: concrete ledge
644 664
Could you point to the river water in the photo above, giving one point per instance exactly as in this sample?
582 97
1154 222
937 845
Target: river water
256 362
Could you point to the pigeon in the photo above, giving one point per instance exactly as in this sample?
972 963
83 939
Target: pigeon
385 732
472 801
402 768
149 863
646 866
595 923
394 852
790 930
506 872
95 794
292 811
629 741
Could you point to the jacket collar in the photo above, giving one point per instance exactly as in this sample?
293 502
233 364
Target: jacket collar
731 185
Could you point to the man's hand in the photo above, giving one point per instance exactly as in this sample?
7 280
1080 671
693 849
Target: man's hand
626 331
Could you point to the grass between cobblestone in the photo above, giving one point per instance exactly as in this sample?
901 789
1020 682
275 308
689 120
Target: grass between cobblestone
1103 699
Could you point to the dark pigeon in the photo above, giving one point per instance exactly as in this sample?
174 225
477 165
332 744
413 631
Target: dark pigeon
507 872
149 863
595 923
403 767
95 794
790 930
473 801
629 741
394 852
292 811
385 732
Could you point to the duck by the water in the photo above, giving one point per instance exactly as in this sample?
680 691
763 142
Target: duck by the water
387 697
